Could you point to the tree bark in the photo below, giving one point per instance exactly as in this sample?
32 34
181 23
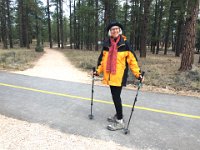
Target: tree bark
144 27
190 32
3 24
58 24
75 28
169 25
78 26
37 28
159 27
106 15
9 24
138 23
199 58
179 36
154 34
49 25
125 16
26 31
133 24
61 23
96 25
70 23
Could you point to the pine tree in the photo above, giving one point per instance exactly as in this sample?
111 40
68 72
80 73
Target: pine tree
190 31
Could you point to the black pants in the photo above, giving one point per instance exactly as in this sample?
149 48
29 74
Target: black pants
116 92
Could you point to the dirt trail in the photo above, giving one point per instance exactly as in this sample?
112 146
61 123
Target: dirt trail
53 64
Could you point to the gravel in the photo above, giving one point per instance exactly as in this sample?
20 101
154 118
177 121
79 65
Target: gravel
21 135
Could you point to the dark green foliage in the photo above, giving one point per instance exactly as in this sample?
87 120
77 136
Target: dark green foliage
39 49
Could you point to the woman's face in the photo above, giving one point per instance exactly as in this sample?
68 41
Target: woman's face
115 31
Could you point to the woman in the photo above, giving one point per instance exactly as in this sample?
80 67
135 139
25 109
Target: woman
113 61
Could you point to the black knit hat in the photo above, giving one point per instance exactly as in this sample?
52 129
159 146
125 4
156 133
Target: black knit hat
115 23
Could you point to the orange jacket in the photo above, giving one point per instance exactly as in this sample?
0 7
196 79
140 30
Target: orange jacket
125 58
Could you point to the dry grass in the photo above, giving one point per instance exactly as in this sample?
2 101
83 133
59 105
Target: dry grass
18 59
83 59
161 71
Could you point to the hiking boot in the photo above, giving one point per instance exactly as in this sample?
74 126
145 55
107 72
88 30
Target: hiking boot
112 118
118 125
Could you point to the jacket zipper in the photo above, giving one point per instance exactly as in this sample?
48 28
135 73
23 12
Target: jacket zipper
121 45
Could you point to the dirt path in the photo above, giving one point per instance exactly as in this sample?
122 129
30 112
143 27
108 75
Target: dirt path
53 64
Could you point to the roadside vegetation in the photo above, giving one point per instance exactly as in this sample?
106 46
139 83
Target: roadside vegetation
161 71
18 59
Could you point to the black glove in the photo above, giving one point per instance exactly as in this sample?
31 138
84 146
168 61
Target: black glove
95 73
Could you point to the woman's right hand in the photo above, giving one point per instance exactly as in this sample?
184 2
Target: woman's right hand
95 73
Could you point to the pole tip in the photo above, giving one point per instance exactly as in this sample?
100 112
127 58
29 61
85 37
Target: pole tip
91 117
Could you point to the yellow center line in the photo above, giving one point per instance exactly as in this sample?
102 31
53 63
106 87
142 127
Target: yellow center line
100 101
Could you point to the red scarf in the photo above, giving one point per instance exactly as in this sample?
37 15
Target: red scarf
112 56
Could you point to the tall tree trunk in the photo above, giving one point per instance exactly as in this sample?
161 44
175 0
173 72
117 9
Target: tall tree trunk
70 23
9 24
190 32
138 23
199 58
169 26
61 23
96 25
78 26
154 34
75 28
113 9
159 27
179 36
3 24
23 12
144 26
125 16
27 26
58 24
106 15
37 28
49 24
20 15
133 24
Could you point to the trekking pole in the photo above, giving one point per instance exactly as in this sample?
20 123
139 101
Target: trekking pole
91 115
126 130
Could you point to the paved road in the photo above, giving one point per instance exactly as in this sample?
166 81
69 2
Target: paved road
161 121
